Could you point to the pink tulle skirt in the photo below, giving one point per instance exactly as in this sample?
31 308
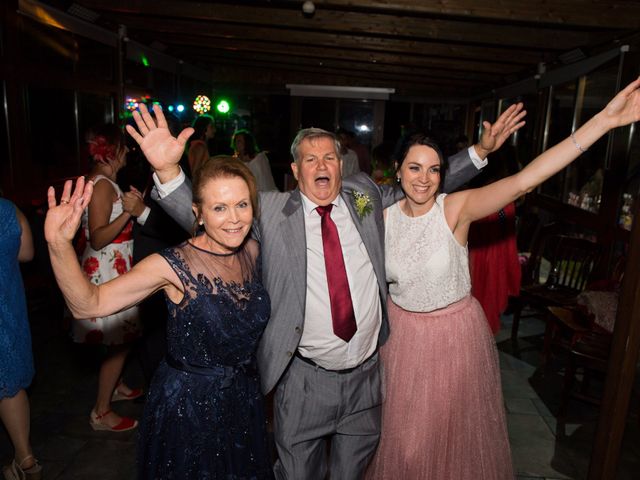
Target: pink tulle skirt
443 415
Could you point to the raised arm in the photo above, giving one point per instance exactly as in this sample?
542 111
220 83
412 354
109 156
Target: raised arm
86 300
461 168
163 151
462 208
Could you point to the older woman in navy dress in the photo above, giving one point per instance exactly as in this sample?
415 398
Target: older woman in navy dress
204 416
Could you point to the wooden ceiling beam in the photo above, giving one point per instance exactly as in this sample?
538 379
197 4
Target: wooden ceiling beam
372 59
395 26
586 13
229 76
155 26
262 62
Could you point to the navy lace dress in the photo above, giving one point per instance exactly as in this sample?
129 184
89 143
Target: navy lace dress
204 416
16 360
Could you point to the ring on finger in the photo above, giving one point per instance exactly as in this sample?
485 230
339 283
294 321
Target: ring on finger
64 201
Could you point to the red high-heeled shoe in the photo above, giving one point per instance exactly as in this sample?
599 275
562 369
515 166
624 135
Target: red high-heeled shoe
124 425
119 396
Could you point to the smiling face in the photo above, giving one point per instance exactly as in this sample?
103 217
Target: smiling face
420 177
318 169
226 212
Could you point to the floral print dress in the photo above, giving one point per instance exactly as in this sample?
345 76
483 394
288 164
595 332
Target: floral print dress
100 266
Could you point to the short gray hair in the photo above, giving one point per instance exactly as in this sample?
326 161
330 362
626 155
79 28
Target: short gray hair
310 134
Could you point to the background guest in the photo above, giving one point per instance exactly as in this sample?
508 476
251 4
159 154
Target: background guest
16 359
197 146
108 253
245 148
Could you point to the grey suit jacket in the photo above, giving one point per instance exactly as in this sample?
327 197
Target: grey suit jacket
281 232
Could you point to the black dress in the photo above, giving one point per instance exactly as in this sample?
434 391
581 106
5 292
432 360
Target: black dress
204 416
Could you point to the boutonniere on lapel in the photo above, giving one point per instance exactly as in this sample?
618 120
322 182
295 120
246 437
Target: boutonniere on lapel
362 203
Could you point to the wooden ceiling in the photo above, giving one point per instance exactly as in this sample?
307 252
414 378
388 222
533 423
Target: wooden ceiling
452 48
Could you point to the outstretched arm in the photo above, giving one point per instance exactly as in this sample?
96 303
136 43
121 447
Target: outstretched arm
464 207
86 300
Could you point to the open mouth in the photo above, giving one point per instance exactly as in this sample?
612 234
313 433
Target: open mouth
322 181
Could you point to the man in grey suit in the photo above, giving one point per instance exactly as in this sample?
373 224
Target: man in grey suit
328 385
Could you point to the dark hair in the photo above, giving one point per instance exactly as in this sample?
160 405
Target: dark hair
200 125
250 145
420 138
311 134
105 143
223 166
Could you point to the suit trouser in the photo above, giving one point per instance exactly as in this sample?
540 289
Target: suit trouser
314 407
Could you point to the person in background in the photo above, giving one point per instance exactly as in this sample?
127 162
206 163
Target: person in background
349 158
493 253
197 147
16 358
364 158
443 415
107 253
245 149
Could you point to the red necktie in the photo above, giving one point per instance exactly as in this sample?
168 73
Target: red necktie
344 320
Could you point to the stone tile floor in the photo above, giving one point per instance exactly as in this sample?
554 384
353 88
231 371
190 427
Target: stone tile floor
65 385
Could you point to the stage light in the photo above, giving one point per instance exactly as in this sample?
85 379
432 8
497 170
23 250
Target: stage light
170 108
202 104
223 106
180 108
131 104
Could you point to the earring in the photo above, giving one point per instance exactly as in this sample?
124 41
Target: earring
397 179
201 222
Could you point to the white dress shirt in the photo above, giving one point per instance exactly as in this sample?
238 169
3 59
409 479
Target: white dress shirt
318 341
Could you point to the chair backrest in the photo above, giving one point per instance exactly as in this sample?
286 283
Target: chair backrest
572 261
540 242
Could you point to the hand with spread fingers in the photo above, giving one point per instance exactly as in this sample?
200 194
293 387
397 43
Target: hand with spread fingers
624 108
495 134
163 150
62 220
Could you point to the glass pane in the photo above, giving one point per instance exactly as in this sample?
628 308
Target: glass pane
584 177
93 110
44 45
54 149
318 112
632 187
524 143
559 127
357 117
95 59
397 119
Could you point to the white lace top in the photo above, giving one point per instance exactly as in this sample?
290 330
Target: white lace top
427 269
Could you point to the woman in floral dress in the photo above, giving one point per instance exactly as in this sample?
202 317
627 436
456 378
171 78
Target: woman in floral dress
107 238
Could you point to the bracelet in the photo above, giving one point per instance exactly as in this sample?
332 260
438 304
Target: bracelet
575 142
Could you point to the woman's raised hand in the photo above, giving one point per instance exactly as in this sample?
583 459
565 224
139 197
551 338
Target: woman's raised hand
163 151
624 108
63 220
495 134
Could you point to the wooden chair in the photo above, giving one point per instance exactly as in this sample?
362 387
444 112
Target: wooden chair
571 262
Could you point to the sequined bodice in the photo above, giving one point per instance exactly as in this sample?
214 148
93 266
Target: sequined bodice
220 320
